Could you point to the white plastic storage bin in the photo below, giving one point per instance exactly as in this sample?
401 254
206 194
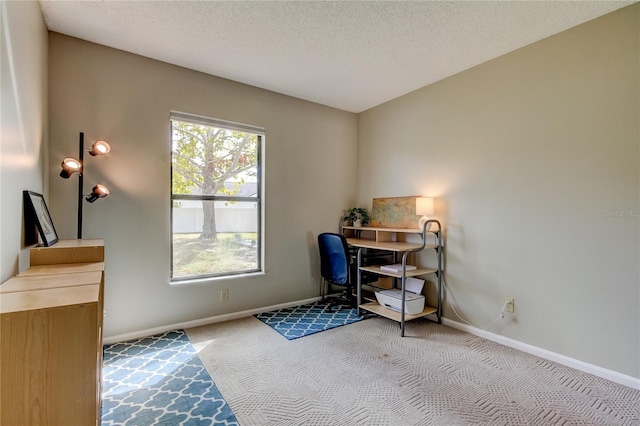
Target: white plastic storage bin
414 303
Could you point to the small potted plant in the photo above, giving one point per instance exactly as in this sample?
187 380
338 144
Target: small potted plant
357 216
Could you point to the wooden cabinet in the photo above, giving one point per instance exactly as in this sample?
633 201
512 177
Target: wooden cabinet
68 252
396 240
51 337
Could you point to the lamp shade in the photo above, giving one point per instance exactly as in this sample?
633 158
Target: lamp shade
100 148
98 191
424 206
69 167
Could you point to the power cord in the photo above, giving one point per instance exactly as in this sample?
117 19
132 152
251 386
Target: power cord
453 299
501 316
455 302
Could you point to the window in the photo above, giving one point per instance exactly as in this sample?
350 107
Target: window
216 197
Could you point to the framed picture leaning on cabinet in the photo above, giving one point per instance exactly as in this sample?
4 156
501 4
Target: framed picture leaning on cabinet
36 212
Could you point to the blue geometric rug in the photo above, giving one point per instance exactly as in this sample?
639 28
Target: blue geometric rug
160 380
300 321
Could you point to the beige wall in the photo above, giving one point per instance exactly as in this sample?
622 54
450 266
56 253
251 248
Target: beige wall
126 99
531 156
23 123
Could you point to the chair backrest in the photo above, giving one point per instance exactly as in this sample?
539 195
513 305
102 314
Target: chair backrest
334 258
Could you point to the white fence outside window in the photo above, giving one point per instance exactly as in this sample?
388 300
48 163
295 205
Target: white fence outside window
241 217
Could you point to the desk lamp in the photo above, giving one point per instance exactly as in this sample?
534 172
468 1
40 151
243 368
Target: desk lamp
424 207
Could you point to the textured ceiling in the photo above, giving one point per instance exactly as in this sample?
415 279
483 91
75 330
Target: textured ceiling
351 55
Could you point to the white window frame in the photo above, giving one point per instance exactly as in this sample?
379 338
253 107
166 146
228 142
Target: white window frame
259 199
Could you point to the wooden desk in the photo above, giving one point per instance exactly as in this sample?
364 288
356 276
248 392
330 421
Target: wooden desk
51 338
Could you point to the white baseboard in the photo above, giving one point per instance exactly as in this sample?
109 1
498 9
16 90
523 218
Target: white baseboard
614 376
108 340
611 375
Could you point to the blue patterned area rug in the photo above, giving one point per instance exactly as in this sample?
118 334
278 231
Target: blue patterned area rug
300 321
160 380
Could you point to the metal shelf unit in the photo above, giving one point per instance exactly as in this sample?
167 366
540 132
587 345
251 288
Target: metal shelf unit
394 240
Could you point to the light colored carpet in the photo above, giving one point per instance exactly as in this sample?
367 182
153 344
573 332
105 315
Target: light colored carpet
366 374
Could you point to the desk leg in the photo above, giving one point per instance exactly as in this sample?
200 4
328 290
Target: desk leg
359 280
403 282
402 302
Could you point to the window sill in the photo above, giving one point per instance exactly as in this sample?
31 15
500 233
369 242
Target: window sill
206 280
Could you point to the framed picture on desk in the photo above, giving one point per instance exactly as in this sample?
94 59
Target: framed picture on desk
36 212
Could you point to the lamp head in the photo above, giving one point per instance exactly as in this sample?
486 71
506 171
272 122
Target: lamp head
424 207
98 191
99 148
69 167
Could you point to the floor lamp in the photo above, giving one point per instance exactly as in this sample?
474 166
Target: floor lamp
71 166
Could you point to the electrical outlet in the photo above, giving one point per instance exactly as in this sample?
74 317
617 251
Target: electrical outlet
224 294
510 306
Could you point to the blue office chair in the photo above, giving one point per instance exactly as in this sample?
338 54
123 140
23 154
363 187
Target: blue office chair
334 266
